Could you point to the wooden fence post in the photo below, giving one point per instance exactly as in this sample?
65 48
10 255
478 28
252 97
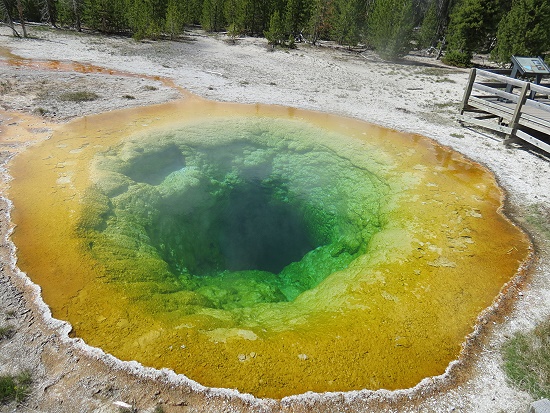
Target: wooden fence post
514 121
468 91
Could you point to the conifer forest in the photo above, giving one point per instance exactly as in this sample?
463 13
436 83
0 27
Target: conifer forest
454 29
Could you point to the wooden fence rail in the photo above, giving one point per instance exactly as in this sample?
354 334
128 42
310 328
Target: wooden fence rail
514 107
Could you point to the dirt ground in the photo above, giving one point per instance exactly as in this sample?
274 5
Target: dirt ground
418 95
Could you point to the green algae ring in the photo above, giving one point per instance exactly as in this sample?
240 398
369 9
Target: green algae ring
235 213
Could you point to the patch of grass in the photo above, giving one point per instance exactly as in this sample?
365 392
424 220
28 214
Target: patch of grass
158 409
457 135
444 79
80 96
149 87
14 388
6 332
129 97
538 215
434 71
527 360
445 105
40 111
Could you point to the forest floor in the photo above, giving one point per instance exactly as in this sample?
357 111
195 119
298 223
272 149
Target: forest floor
418 94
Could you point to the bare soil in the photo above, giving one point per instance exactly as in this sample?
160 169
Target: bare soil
418 95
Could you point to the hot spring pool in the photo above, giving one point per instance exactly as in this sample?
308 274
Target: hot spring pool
271 250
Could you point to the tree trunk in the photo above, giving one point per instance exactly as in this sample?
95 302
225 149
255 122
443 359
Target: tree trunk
440 52
6 10
76 11
21 17
48 12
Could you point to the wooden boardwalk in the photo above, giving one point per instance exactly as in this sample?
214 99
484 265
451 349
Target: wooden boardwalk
514 107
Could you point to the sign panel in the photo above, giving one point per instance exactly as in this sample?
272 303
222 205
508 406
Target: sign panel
530 65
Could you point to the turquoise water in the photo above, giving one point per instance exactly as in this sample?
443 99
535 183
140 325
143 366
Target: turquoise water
233 213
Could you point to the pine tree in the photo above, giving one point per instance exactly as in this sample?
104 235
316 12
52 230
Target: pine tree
241 13
146 17
175 18
319 20
347 26
107 16
231 12
253 16
276 34
524 31
390 27
49 11
296 16
472 28
261 16
192 10
428 34
69 13
213 15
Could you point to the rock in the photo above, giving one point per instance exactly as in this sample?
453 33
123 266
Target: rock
122 404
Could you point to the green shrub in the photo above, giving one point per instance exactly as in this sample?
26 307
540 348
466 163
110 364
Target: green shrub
6 332
14 388
40 111
458 58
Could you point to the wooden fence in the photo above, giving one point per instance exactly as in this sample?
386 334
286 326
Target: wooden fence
514 107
